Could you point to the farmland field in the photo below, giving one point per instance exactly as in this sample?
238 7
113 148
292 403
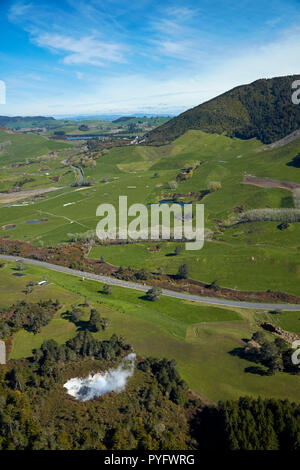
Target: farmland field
244 256
249 253
200 338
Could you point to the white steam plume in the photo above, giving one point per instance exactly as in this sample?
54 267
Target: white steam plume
93 386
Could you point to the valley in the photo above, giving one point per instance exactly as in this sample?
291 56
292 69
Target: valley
243 282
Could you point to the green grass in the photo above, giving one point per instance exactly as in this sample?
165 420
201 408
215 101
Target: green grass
234 265
130 170
289 321
59 329
171 314
199 338
23 146
254 256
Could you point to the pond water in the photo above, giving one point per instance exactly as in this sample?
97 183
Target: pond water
84 137
29 222
168 201
19 274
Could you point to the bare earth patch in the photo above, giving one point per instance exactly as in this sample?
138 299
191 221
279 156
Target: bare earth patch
286 140
6 198
270 183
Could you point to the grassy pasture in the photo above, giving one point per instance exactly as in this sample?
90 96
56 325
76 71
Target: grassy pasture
242 266
200 338
23 146
228 259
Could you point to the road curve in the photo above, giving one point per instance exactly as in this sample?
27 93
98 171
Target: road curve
145 288
76 169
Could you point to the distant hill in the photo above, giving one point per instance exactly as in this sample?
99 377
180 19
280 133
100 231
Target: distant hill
262 109
15 122
124 118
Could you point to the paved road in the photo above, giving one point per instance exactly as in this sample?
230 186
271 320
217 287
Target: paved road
144 287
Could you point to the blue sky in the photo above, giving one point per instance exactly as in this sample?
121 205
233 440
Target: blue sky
116 56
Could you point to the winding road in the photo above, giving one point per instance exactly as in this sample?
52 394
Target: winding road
76 169
145 288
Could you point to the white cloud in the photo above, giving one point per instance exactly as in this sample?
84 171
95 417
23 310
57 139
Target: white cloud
18 11
205 66
86 50
79 75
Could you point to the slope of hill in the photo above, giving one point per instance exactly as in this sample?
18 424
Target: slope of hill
17 147
19 122
262 109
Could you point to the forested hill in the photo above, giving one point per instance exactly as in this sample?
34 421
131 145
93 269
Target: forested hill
262 109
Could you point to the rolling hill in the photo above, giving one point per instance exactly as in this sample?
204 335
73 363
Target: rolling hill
262 109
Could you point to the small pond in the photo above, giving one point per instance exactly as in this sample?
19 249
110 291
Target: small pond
30 222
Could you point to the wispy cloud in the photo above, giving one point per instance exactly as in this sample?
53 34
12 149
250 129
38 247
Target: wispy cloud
86 50
18 10
111 56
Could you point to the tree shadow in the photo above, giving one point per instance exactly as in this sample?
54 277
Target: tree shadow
286 202
144 297
242 354
257 370
81 325
101 292
170 254
84 325
295 162
239 352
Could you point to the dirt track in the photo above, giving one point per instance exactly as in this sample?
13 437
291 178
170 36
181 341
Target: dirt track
270 183
6 198
286 140
2 352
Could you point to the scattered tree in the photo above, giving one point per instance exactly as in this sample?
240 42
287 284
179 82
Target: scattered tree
107 289
214 186
173 185
154 293
76 314
183 272
178 250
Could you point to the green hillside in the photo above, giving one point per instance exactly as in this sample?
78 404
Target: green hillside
245 256
17 122
17 147
262 109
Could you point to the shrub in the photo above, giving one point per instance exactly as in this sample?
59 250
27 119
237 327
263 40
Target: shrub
283 226
173 184
142 275
107 289
270 215
154 293
214 186
178 250
183 272
296 198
